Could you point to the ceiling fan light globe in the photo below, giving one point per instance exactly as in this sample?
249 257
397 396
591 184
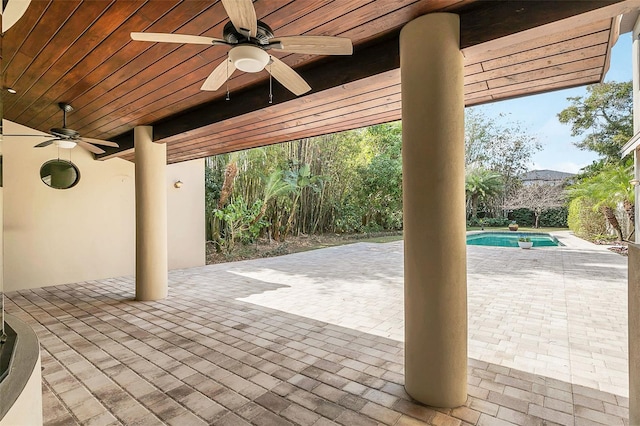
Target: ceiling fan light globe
249 58
66 144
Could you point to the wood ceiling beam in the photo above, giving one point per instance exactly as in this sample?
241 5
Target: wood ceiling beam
277 130
347 95
379 115
580 79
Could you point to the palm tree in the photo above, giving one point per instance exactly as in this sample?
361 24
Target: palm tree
274 185
615 180
480 186
609 189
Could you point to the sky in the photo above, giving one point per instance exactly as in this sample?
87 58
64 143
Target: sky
539 115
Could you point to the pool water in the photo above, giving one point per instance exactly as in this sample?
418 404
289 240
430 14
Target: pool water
510 239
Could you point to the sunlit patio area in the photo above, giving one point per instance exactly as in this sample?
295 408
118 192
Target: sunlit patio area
316 338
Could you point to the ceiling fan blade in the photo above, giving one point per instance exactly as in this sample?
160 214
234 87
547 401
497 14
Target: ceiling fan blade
219 75
89 147
46 143
176 38
100 142
28 136
318 45
287 76
243 16
12 11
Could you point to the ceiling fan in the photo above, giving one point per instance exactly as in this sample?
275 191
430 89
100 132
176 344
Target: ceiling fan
250 40
67 138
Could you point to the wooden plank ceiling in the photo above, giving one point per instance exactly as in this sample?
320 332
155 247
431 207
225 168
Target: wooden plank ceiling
80 52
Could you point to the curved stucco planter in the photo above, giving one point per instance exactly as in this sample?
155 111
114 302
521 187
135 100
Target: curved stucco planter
21 390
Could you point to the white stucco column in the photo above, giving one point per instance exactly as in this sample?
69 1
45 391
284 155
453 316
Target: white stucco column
151 216
635 54
634 253
634 335
435 286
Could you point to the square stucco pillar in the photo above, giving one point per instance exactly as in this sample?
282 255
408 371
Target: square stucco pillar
435 282
635 56
634 334
151 216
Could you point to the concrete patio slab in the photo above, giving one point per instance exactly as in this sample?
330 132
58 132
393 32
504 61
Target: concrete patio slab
315 338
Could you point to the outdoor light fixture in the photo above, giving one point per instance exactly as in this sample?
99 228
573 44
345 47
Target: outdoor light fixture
12 90
249 58
65 144
634 182
177 184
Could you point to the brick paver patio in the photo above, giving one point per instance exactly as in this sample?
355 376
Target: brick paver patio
316 339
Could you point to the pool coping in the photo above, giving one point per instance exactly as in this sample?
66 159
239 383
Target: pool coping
568 239
520 233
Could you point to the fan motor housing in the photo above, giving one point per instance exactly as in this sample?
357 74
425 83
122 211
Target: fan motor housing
264 34
65 133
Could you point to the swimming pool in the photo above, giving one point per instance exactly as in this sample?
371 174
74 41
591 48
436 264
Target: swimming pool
510 239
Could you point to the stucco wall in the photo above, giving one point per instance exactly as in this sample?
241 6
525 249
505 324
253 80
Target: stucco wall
185 214
87 232
1 233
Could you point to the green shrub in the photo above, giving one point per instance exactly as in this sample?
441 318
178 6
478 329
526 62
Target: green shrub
573 216
347 216
489 222
550 218
497 222
523 217
584 221
554 218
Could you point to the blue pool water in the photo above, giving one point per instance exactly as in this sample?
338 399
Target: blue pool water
510 239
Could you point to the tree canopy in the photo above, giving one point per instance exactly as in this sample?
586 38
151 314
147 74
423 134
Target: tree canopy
504 146
604 118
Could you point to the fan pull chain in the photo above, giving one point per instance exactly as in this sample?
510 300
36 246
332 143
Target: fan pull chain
270 84
3 333
227 98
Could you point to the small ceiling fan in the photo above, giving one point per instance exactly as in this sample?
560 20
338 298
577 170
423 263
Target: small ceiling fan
249 40
67 138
